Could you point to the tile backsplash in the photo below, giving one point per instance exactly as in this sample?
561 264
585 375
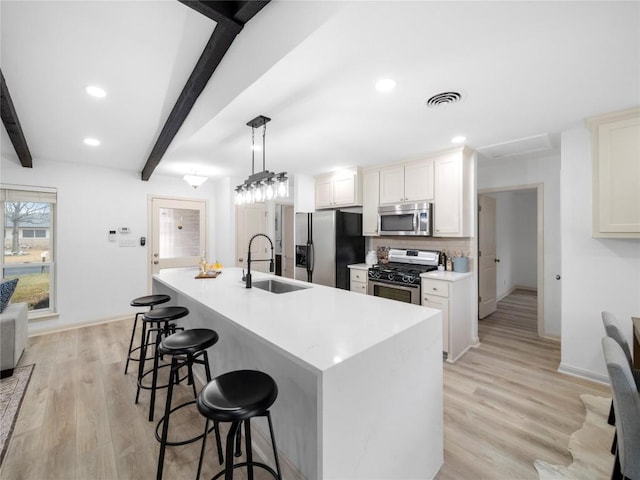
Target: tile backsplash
449 245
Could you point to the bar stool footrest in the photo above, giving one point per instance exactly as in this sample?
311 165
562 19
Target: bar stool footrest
181 442
246 464
149 387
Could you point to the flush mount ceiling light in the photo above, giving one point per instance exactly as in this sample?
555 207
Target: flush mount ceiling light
459 139
95 91
264 185
93 142
385 84
443 98
194 180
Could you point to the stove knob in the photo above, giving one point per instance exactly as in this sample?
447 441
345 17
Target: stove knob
390 276
408 279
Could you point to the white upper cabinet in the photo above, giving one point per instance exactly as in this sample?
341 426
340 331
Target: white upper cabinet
453 187
370 201
407 182
339 189
615 143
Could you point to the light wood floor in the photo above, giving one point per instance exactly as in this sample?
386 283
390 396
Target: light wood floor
505 406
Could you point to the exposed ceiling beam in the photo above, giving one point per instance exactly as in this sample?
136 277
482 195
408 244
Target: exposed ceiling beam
230 18
219 11
12 125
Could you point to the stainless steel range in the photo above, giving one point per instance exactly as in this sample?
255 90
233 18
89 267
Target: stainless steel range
400 278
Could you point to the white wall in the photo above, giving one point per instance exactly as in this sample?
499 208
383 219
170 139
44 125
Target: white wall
525 239
597 273
545 170
304 193
516 240
223 230
96 279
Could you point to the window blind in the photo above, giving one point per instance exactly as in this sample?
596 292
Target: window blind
19 193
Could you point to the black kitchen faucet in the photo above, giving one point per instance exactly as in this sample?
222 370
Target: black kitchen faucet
247 277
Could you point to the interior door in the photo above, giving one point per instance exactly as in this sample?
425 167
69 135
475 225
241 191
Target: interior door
252 219
178 232
486 255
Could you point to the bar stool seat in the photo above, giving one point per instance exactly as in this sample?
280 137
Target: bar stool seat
237 397
186 348
149 301
156 321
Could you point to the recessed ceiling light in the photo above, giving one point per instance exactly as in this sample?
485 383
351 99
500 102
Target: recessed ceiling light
94 142
459 139
385 85
95 91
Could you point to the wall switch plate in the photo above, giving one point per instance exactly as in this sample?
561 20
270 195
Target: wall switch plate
125 242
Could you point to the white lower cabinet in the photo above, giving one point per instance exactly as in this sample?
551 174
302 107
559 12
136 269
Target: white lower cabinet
441 303
452 297
359 279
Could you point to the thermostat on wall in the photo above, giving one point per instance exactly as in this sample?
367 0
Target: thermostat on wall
112 235
125 230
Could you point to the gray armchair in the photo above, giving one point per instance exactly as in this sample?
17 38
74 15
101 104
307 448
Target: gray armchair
626 401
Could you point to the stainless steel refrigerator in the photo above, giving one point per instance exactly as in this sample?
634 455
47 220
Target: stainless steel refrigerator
326 242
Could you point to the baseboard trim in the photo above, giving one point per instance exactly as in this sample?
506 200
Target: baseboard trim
581 373
513 289
460 354
55 329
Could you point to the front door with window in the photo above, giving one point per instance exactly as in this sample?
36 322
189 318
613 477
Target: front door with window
178 233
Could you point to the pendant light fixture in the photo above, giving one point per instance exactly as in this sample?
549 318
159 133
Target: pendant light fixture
264 185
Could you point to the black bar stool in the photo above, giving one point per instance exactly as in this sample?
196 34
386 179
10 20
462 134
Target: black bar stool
237 397
186 348
148 301
159 321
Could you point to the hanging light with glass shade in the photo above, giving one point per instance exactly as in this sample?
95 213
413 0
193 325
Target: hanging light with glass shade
264 185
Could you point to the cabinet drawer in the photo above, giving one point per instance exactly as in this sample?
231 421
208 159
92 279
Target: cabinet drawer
359 275
435 287
358 287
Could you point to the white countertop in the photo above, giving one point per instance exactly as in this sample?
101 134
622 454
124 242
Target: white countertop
318 326
359 266
448 276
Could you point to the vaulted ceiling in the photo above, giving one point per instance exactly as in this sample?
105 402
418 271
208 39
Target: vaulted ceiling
523 69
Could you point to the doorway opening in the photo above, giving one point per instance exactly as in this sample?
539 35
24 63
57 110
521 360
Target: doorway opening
516 262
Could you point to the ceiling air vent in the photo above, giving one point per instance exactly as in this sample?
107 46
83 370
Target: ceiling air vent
443 98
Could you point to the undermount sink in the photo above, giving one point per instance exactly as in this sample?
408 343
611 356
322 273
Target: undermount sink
276 286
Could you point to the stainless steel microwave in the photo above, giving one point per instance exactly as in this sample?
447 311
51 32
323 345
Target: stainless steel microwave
405 219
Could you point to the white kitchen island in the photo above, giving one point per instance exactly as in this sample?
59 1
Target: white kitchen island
359 377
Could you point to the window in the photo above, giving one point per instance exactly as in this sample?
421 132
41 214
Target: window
28 253
33 233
